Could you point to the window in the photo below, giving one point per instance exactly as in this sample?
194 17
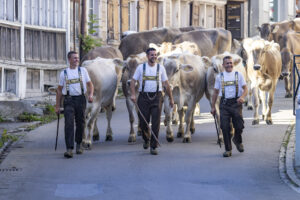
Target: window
10 80
10 10
33 79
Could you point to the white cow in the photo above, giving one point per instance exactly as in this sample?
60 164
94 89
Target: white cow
103 74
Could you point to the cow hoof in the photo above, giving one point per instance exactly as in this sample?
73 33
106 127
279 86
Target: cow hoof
175 122
179 135
87 146
170 139
249 107
187 140
269 122
96 138
192 130
108 138
132 139
288 96
165 122
255 122
113 108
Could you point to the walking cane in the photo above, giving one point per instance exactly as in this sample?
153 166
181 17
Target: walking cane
147 123
57 130
218 134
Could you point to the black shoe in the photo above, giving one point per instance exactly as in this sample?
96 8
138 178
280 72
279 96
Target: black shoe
146 144
68 153
153 151
239 146
79 149
227 154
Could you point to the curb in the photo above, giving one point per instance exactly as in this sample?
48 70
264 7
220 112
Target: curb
286 159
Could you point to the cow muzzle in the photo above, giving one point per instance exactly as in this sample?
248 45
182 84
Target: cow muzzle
256 67
284 74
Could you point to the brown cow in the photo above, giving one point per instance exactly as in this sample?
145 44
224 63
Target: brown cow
276 31
291 47
130 66
136 43
210 41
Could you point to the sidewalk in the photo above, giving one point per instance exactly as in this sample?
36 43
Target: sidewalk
287 170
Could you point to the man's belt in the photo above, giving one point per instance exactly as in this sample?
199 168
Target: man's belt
228 101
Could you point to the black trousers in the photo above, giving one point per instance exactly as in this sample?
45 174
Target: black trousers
231 111
150 105
74 108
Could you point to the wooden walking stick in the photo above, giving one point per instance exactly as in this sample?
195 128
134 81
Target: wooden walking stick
58 114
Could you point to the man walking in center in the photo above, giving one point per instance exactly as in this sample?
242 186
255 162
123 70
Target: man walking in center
152 77
231 87
73 84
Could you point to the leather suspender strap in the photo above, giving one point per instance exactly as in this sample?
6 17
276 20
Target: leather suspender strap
150 78
157 77
228 83
80 78
72 81
144 72
236 85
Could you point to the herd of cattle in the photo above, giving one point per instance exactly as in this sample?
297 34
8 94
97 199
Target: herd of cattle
192 57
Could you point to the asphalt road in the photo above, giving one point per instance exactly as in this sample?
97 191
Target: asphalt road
118 170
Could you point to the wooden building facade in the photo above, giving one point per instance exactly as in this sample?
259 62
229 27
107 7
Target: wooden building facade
33 45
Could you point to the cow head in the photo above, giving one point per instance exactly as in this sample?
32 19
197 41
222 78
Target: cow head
265 31
286 59
130 65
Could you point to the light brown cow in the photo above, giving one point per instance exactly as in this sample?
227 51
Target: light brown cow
263 70
186 74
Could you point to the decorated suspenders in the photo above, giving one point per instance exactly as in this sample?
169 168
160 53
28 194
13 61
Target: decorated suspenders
228 83
72 81
150 78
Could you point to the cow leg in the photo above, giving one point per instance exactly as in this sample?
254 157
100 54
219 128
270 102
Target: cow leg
168 113
256 104
175 115
108 117
192 126
96 136
249 97
287 85
180 131
188 117
262 95
90 124
270 104
130 108
197 109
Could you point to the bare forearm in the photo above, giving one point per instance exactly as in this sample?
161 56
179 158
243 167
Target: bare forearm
214 98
